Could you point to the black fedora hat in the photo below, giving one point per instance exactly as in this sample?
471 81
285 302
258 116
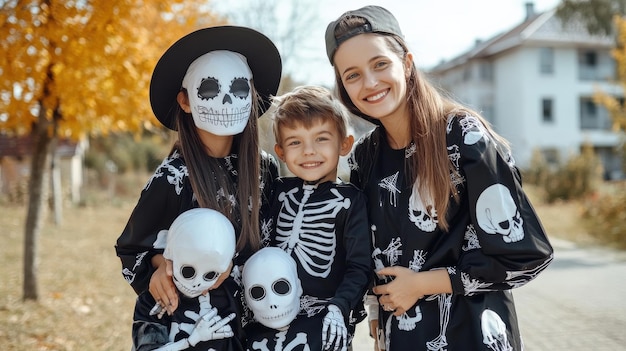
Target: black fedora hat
262 55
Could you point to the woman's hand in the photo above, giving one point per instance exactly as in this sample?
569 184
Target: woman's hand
400 294
162 285
409 286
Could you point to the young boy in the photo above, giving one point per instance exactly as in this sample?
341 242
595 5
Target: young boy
200 246
318 219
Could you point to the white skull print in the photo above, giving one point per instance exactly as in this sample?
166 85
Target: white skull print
494 331
201 246
272 288
422 211
220 96
497 213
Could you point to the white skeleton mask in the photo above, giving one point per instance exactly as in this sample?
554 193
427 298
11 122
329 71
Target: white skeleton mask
218 86
272 288
201 246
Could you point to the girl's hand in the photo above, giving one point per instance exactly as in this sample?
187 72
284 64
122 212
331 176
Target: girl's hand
162 285
222 277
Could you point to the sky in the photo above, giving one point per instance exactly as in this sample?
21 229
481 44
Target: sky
434 29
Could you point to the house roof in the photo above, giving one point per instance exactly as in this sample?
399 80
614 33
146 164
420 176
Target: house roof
541 29
21 146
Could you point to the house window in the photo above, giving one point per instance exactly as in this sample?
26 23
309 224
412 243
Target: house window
593 116
486 71
588 58
588 65
467 73
547 110
546 60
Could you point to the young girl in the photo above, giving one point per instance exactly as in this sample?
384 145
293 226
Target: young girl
210 86
453 231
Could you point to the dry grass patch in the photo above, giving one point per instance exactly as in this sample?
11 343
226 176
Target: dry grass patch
84 303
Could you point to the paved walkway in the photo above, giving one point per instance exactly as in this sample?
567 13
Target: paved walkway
578 303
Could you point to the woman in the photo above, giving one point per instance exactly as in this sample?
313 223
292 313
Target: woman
210 86
453 231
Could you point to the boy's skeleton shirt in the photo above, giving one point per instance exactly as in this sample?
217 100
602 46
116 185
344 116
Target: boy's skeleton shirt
308 229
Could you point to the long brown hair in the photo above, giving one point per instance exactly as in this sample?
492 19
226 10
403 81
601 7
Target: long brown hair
429 109
207 176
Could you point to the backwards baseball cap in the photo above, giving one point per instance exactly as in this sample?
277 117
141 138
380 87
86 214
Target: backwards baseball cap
262 56
378 20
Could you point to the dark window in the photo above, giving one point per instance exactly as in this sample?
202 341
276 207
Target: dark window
589 58
547 110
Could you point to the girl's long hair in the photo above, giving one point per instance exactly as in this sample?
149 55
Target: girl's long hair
430 167
208 176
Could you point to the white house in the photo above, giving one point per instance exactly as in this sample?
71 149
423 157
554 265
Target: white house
535 83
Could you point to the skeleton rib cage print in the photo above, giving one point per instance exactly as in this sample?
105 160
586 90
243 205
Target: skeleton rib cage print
307 229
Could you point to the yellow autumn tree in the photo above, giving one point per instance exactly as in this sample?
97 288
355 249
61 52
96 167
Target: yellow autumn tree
73 68
613 104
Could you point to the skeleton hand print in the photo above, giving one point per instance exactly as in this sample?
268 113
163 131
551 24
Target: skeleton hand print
211 327
334 331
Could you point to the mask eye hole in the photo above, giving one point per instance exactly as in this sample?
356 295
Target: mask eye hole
209 88
281 287
187 272
240 88
211 276
257 292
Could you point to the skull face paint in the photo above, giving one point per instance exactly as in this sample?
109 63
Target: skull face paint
220 96
201 246
272 288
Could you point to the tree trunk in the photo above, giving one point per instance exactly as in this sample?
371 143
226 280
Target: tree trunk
57 187
37 195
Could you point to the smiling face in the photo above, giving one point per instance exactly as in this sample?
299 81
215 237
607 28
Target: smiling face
374 76
312 154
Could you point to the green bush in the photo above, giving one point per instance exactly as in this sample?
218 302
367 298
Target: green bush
538 171
573 179
580 179
605 215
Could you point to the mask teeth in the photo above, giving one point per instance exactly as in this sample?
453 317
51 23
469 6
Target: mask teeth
225 118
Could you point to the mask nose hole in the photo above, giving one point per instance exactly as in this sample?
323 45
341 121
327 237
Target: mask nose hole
227 99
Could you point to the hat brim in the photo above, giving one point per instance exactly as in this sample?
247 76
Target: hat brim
262 55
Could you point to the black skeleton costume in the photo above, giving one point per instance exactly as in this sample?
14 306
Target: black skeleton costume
495 241
324 227
167 194
218 78
149 331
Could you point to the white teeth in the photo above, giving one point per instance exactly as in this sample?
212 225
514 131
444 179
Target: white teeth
377 96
